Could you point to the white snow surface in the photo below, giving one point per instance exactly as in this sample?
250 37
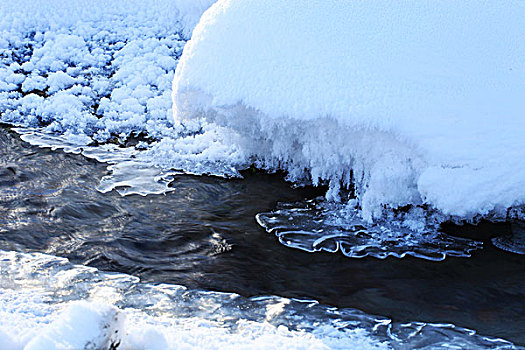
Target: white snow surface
79 74
413 102
48 303
100 68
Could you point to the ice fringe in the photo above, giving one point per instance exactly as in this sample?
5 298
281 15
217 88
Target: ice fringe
48 303
318 225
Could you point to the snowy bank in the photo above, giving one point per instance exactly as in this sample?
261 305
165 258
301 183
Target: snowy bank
409 103
433 124
98 68
48 303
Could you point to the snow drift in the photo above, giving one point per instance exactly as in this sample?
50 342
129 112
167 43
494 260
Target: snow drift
407 103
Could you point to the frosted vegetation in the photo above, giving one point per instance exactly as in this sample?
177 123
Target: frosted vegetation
48 303
411 114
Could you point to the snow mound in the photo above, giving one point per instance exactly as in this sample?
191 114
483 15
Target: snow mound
48 303
411 103
97 68
81 325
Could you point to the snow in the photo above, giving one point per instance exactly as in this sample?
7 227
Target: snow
81 325
403 105
100 68
412 103
48 303
118 310
304 87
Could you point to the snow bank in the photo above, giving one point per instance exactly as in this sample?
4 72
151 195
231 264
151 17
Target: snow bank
93 325
414 103
100 68
417 102
48 303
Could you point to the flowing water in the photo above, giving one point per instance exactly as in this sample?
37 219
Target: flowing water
203 235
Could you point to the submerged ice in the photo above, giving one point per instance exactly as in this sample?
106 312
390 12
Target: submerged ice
48 303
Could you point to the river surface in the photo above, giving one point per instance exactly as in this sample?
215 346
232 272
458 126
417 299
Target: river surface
203 235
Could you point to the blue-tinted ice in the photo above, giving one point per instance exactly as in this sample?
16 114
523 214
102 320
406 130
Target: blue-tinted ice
514 243
317 225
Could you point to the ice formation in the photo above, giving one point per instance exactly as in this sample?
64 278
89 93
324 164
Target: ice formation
97 68
76 75
48 303
407 103
320 225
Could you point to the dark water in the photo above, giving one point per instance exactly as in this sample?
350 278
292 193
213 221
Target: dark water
203 235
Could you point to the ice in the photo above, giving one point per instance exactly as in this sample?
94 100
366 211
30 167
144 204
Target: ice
134 177
46 302
394 105
317 225
100 68
143 169
81 75
417 103
514 243
128 174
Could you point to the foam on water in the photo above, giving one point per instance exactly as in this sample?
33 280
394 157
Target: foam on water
46 302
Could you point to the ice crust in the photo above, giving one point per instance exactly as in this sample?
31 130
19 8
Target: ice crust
418 102
48 303
318 225
98 68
